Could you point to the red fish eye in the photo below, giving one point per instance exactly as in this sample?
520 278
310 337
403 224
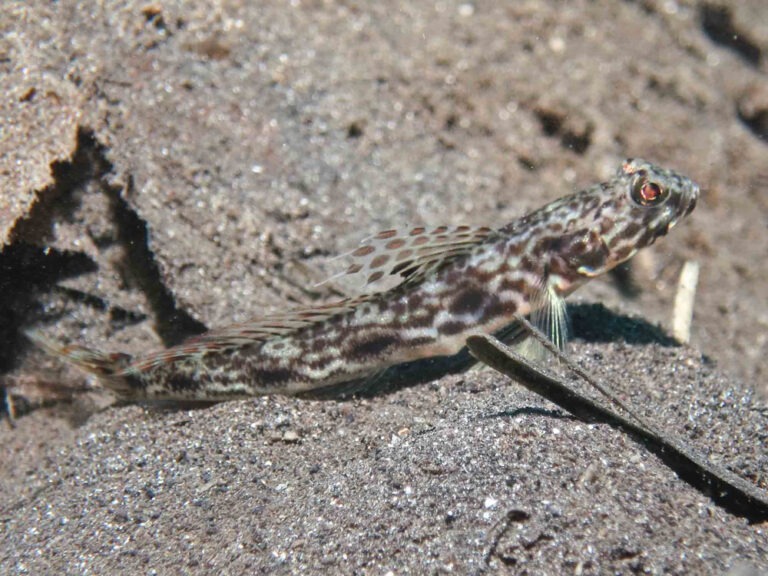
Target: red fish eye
647 193
650 192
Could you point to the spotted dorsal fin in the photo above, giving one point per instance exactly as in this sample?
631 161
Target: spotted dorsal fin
410 253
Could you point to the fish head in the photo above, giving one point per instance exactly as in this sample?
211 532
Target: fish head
618 218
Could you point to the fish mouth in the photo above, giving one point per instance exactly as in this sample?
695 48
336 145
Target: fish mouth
688 205
693 197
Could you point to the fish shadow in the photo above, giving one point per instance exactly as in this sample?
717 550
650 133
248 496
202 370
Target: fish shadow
595 323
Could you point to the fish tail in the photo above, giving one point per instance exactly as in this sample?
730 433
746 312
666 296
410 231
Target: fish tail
106 366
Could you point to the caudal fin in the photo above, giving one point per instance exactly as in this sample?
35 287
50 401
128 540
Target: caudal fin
100 364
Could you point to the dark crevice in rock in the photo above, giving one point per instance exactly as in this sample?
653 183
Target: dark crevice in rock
717 23
117 314
58 201
26 269
172 324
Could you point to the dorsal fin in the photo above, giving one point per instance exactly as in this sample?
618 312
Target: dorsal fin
410 253
271 325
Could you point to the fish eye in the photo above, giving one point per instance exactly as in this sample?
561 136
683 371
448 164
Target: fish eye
647 193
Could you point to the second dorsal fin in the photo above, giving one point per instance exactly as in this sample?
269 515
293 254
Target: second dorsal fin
266 327
245 333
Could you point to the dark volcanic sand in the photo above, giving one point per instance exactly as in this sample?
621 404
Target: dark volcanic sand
188 166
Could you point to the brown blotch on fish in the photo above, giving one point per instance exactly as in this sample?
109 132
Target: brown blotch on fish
379 261
452 327
631 229
514 285
606 225
267 377
467 301
181 383
363 251
399 307
373 347
375 277
510 249
495 308
395 244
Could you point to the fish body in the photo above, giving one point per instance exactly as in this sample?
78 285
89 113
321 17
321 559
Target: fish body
454 282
